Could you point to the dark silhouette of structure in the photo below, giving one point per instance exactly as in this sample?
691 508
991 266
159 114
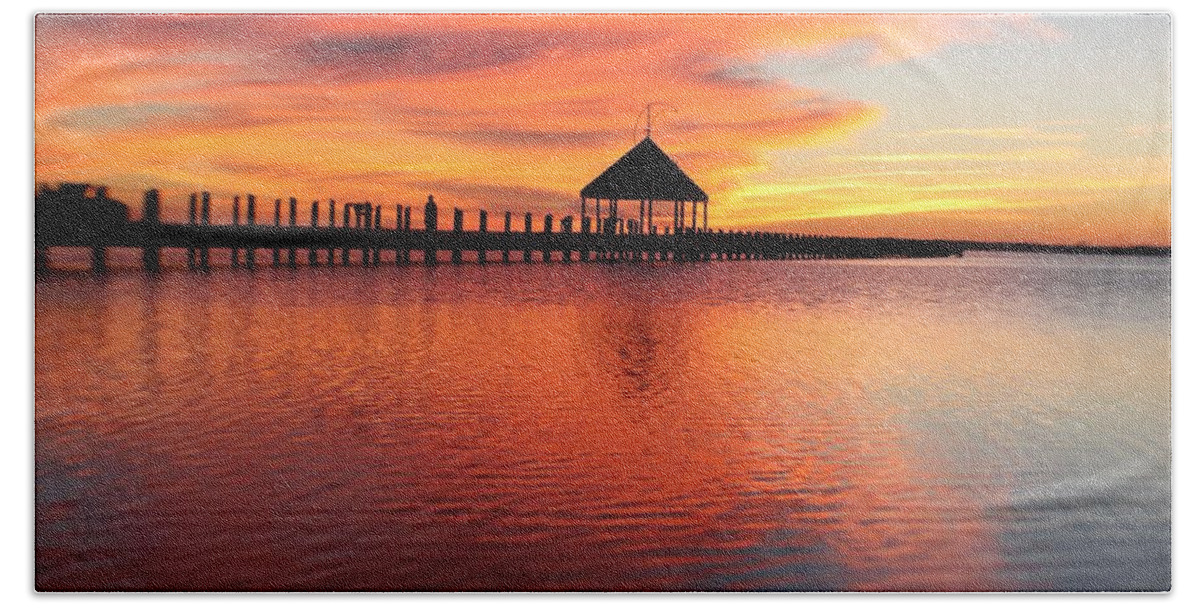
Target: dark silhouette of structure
78 212
81 215
645 174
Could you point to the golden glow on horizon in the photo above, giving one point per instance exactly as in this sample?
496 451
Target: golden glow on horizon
519 112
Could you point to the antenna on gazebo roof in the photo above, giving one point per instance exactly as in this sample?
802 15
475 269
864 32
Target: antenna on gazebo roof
648 113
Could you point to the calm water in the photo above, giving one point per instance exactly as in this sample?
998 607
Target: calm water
991 422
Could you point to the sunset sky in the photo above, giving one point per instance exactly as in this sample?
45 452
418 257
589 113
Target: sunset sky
1049 128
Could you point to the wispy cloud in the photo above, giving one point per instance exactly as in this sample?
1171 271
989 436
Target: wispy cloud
1016 133
523 110
1020 155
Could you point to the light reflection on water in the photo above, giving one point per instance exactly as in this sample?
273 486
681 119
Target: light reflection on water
994 422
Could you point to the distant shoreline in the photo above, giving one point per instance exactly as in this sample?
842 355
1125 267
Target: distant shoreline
1138 250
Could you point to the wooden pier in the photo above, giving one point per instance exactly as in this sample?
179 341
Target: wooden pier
80 216
561 239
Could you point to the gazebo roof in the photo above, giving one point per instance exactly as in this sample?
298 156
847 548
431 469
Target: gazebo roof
644 173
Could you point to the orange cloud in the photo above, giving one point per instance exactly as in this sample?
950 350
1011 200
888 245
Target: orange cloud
402 103
510 111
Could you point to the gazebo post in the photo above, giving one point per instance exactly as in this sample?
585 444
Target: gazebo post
706 215
650 215
693 216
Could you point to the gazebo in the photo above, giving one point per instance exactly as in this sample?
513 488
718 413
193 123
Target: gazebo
644 174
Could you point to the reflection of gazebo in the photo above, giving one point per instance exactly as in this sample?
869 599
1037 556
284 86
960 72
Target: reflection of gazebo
644 174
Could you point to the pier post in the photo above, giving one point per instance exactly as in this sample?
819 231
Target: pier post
191 251
205 216
345 224
507 230
630 230
278 219
431 223
250 200
585 232
150 222
292 223
622 229
566 226
378 226
312 251
528 230
41 259
406 250
455 252
399 227
99 261
332 224
234 253
407 230
362 219
483 228
547 228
